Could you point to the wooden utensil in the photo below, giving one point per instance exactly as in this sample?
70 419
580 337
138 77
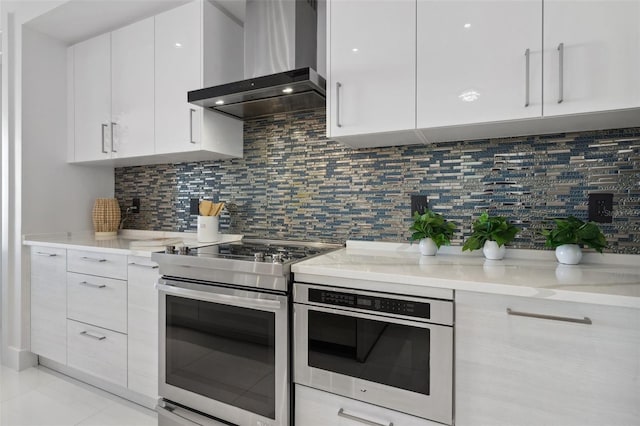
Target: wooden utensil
205 207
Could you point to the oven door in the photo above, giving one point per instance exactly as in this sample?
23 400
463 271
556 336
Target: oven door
400 364
224 352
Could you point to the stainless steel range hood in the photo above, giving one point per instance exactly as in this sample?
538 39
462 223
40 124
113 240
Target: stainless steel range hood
279 63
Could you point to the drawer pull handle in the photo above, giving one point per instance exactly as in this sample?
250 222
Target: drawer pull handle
585 320
88 284
41 253
144 266
93 259
346 415
93 336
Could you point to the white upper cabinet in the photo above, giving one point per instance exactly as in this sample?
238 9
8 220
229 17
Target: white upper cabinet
182 58
92 98
591 56
372 66
478 61
132 89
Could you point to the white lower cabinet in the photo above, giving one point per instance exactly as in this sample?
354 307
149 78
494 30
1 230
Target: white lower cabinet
143 326
49 302
523 361
97 300
97 351
318 408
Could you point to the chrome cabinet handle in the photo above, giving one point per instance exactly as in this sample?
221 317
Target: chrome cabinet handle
104 151
344 414
338 87
41 253
144 266
191 111
93 259
527 78
560 73
92 335
112 137
585 320
88 284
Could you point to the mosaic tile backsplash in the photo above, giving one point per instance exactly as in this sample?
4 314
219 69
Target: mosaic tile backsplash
293 183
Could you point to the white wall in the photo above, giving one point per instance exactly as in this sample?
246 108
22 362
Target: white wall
40 192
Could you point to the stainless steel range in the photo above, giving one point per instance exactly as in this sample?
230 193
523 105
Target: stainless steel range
224 332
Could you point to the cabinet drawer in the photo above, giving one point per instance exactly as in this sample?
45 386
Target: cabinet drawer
319 408
97 263
49 303
97 351
97 300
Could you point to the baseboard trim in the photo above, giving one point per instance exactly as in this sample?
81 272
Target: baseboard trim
19 359
125 393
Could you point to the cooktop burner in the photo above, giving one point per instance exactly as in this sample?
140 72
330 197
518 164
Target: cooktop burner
247 263
259 251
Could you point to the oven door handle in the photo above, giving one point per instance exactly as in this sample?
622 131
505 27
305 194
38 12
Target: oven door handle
243 302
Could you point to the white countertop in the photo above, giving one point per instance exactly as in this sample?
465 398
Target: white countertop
129 242
608 279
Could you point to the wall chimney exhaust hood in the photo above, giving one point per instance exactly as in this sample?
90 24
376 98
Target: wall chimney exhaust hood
279 61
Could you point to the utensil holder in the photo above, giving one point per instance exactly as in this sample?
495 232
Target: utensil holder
106 217
207 229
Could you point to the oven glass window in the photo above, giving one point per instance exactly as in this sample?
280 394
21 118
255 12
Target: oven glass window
378 351
222 352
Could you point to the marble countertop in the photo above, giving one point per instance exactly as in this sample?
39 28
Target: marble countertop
129 242
608 279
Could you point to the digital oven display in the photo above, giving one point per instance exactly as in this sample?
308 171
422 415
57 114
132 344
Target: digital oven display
371 303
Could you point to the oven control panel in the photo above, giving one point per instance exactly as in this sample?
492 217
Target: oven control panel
371 303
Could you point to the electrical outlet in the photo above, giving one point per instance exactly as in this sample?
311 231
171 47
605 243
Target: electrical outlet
601 208
418 204
135 205
194 206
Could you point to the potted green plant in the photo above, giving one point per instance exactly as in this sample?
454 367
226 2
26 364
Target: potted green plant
491 233
432 230
571 233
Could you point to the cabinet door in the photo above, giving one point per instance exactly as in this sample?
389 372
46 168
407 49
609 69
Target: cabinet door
592 56
143 326
523 370
371 84
92 98
132 71
49 303
478 61
178 64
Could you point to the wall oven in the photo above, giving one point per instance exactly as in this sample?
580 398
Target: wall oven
223 352
390 350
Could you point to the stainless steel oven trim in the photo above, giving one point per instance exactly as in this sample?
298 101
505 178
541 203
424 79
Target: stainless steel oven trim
438 406
441 310
211 293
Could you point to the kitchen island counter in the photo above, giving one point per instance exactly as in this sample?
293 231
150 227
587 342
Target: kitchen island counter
608 279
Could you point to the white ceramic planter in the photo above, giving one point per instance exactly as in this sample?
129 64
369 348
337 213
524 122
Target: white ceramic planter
428 247
492 251
569 254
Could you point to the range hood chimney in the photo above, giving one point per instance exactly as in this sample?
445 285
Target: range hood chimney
279 63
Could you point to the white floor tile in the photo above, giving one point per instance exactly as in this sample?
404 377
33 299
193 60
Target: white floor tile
41 397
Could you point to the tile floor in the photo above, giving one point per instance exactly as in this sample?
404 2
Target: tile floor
42 397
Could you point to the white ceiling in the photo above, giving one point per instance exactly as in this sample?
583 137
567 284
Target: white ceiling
78 20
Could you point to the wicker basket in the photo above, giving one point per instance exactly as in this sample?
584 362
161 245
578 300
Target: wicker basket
106 217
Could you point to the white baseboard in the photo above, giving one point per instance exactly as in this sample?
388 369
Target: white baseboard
19 359
125 393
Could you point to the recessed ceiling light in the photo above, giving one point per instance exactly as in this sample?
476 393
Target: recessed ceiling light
355 49
220 102
467 25
287 90
178 44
